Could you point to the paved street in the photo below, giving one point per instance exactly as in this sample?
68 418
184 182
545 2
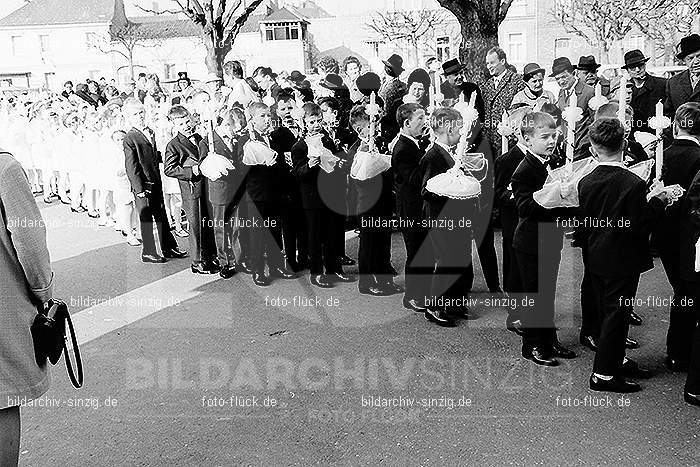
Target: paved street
194 370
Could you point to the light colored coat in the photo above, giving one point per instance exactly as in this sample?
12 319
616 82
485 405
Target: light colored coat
25 282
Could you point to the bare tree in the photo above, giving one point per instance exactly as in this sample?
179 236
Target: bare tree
668 24
218 21
409 28
479 21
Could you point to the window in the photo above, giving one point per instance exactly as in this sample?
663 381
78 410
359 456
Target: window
50 80
169 71
516 47
43 43
16 45
562 47
636 42
374 45
282 31
443 48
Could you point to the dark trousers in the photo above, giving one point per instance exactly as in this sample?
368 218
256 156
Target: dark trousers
374 253
294 230
265 236
201 238
680 321
322 249
224 220
152 211
590 314
453 274
511 274
419 264
244 231
488 259
692 383
539 275
615 296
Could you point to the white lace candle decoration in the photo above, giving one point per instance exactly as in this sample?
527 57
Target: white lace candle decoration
598 100
571 115
622 100
659 122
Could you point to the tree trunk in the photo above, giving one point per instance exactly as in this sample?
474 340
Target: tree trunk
476 41
131 63
215 57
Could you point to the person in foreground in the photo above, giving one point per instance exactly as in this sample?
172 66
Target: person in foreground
618 250
27 282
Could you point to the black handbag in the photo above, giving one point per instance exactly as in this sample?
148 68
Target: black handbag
50 340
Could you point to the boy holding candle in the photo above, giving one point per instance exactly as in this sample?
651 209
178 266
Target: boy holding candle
537 242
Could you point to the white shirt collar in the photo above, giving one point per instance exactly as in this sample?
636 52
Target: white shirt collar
522 147
613 164
689 138
411 138
540 158
444 146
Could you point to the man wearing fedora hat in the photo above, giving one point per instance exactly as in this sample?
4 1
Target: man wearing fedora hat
569 84
454 85
392 92
647 90
685 86
587 70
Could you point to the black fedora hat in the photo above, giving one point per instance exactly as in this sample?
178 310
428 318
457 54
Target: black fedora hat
395 62
634 57
303 84
182 75
451 67
296 76
561 64
587 63
688 45
332 82
368 83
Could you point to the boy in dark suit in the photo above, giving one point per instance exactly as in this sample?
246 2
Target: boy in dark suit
322 196
405 161
452 245
617 219
182 162
264 194
141 161
374 206
681 164
537 242
225 193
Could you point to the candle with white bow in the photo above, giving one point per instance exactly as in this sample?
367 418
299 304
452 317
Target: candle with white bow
436 90
372 127
598 90
622 100
571 135
504 138
659 142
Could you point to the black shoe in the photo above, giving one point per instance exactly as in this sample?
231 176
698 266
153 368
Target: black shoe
413 304
227 272
631 344
153 259
391 287
319 280
631 369
340 277
461 312
175 253
200 268
261 280
496 290
346 261
48 200
213 265
514 325
560 351
540 357
691 398
79 210
439 317
588 341
617 384
244 267
282 273
635 319
677 365
374 291
64 200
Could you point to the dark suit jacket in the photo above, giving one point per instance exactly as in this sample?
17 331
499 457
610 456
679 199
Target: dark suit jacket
229 188
262 182
679 91
310 178
612 193
681 164
141 161
505 167
181 154
405 161
537 228
282 140
689 231
467 88
644 101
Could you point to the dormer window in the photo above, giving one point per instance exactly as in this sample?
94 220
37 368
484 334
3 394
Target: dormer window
282 31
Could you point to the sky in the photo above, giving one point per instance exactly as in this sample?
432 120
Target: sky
8 6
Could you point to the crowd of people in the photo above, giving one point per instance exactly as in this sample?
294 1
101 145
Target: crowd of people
271 170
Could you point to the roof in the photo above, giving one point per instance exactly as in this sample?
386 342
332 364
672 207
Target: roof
252 24
164 27
341 52
309 10
40 12
283 14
